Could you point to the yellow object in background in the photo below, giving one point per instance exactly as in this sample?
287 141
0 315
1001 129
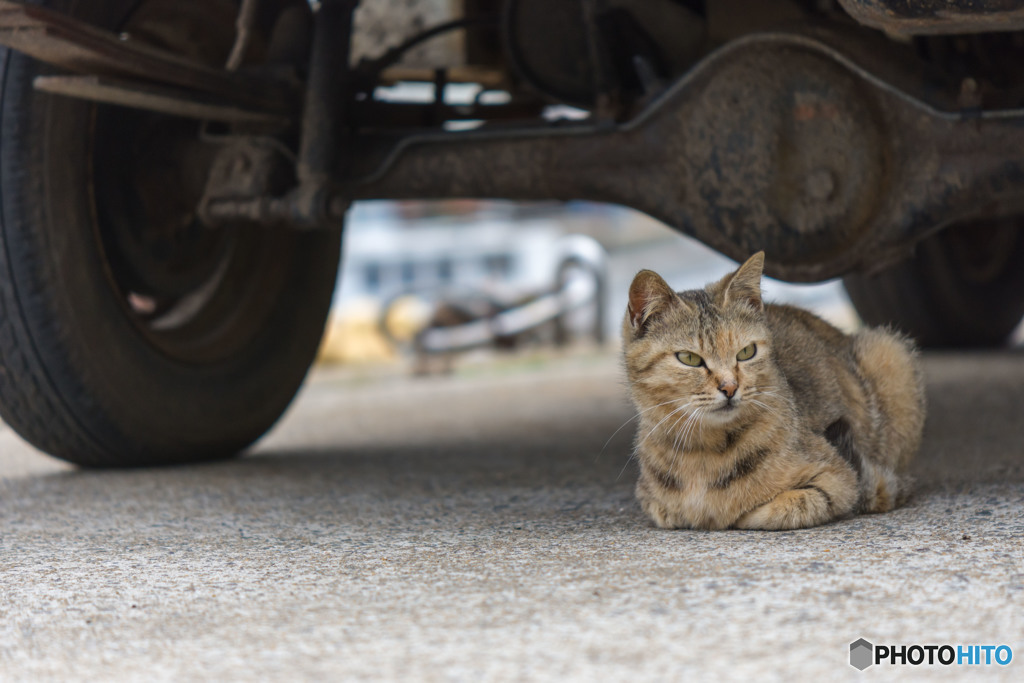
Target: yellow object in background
353 334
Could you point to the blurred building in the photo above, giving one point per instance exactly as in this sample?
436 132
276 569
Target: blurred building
506 252
394 248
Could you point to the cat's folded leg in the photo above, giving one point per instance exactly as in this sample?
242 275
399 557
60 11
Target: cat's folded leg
820 496
656 510
660 507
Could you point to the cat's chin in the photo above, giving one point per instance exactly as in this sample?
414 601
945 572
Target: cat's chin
724 413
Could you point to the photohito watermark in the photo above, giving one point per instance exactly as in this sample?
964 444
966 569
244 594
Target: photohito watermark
863 654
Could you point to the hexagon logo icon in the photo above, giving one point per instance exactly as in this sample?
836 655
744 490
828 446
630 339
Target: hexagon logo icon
861 654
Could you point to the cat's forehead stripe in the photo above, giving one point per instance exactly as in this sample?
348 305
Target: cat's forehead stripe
697 296
708 315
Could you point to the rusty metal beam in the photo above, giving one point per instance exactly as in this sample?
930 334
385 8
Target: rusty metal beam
161 99
64 42
778 142
922 17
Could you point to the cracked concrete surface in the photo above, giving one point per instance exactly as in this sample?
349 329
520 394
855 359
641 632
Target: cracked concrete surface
479 529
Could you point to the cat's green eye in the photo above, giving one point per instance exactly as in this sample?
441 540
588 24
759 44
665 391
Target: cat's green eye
690 358
747 352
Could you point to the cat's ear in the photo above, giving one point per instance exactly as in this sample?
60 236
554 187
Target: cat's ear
649 297
745 284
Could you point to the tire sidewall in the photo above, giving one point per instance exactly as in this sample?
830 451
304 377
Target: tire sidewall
131 402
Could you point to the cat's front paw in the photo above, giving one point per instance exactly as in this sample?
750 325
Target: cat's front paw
793 509
658 513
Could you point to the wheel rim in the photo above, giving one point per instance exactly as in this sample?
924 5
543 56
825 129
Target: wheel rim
196 294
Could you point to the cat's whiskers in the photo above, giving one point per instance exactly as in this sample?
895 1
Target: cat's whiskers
677 410
632 456
676 450
637 445
677 433
645 410
681 432
699 422
764 406
700 430
693 416
688 427
766 393
686 432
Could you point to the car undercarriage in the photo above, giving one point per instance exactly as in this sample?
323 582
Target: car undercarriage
174 176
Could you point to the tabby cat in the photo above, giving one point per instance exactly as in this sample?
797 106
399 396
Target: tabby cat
758 416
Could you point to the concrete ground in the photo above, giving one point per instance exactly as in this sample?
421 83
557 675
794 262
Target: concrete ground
478 529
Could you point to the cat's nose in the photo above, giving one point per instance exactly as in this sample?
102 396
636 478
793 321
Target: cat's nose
728 387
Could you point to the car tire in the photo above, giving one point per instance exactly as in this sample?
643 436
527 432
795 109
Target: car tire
130 334
964 287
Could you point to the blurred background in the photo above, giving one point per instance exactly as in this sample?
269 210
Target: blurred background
435 287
